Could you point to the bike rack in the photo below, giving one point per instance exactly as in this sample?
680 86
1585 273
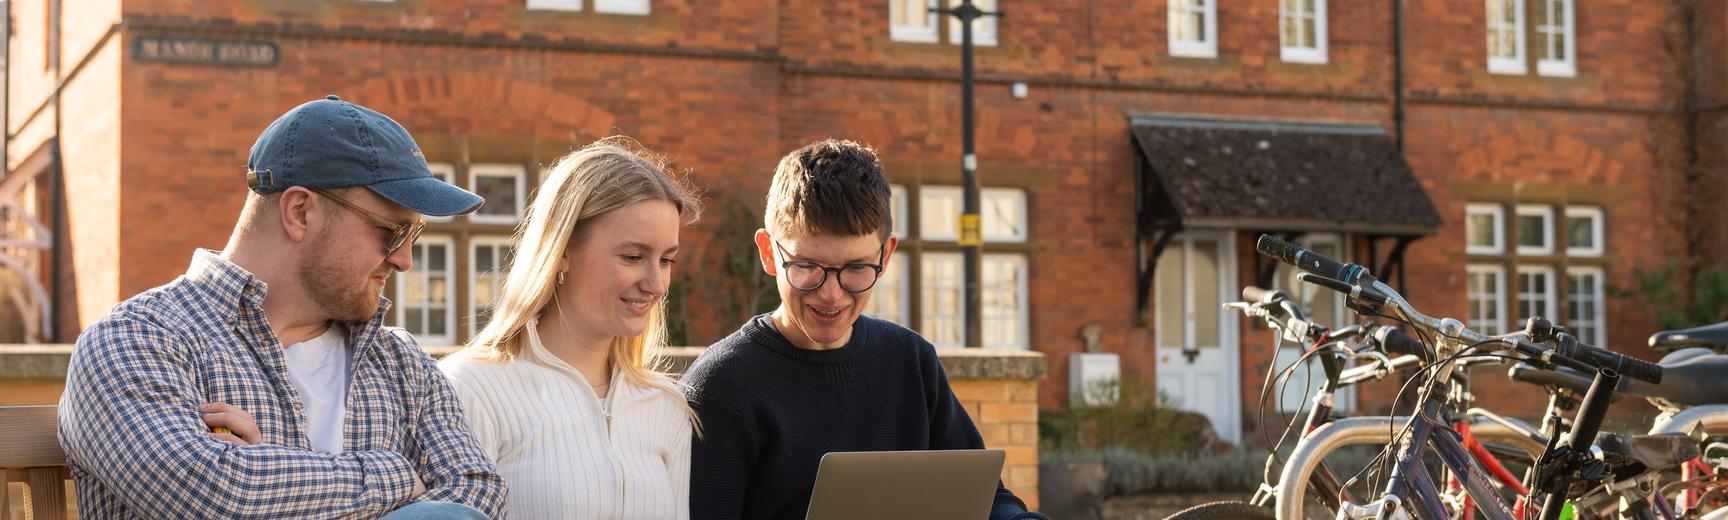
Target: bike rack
1713 418
1312 450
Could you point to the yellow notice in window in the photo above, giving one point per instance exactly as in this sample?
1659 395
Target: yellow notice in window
970 234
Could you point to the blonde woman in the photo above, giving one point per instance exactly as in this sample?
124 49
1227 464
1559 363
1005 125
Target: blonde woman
558 386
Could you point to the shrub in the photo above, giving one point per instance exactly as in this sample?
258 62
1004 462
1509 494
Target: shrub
1140 421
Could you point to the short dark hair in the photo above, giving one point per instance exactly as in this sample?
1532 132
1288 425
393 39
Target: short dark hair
830 187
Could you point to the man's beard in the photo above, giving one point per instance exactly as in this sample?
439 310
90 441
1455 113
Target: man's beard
328 286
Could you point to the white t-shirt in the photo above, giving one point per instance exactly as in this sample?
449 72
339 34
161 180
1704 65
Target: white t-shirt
321 368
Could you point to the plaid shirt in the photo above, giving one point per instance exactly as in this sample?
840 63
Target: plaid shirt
138 447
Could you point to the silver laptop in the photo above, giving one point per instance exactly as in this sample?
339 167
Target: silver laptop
909 485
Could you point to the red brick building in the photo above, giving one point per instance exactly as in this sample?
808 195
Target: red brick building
1561 145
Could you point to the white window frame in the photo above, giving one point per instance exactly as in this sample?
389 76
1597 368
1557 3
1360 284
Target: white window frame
1547 214
1204 48
983 29
925 195
515 171
1498 213
637 7
401 306
1023 315
445 172
1596 230
1600 320
1014 196
1568 67
926 306
1498 325
913 33
555 5
1506 64
1296 54
474 243
1549 299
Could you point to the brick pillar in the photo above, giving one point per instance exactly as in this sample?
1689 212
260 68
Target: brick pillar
1006 412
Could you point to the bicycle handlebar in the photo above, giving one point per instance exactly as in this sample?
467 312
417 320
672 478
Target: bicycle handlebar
1369 295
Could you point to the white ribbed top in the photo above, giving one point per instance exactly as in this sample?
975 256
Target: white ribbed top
564 452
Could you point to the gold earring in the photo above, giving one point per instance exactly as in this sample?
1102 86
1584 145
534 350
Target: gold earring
560 277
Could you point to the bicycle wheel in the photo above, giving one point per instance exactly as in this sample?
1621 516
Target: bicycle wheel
1224 511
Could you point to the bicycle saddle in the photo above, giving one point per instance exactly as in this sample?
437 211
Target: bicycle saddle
1631 455
1706 336
1690 377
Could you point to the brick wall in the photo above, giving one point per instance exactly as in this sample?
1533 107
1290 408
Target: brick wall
725 88
1006 412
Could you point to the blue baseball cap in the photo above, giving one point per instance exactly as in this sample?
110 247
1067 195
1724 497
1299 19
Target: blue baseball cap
331 143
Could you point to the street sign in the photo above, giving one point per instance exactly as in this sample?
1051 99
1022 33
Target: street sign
970 234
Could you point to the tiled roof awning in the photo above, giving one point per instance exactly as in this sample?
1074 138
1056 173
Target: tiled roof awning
1278 177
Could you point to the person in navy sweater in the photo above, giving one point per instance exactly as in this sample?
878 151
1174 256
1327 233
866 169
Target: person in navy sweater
816 376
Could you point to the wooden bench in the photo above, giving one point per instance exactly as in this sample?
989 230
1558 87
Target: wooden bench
30 453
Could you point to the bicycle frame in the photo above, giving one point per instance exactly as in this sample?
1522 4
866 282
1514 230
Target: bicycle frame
1412 484
1313 448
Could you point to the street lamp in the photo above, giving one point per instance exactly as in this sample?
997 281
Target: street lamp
971 234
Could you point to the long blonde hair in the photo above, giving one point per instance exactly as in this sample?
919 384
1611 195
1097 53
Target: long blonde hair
599 178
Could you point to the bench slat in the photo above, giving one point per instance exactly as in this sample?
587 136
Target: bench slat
48 493
27 438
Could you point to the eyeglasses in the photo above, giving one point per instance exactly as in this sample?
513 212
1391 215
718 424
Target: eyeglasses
400 234
805 275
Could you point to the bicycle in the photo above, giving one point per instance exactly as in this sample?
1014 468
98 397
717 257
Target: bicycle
1332 347
1564 470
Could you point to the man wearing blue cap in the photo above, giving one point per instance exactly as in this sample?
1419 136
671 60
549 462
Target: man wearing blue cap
262 383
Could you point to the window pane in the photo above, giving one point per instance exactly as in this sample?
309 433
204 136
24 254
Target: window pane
562 5
421 297
491 259
941 299
499 192
887 299
939 213
1001 295
622 6
910 12
1207 308
435 321
1479 230
413 288
1584 293
483 259
1483 284
1187 19
1580 232
1171 303
1532 231
435 258
438 288
1003 215
1534 293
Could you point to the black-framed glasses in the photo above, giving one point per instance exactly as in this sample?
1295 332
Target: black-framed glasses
805 275
400 234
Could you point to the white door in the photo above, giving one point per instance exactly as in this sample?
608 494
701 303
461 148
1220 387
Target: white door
1196 275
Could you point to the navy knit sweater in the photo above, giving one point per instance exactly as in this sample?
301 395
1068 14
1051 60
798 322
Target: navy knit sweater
770 410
